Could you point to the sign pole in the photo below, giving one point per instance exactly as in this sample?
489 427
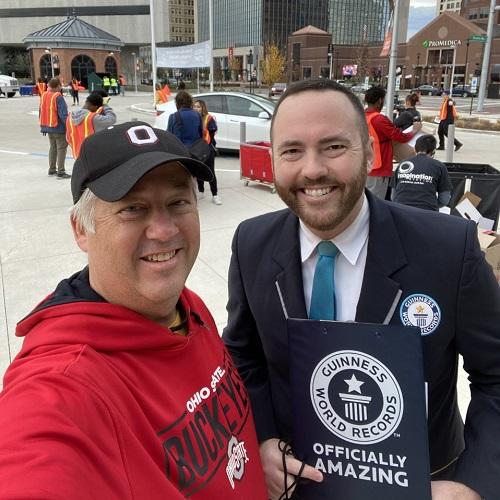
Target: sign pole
153 46
391 79
211 36
486 58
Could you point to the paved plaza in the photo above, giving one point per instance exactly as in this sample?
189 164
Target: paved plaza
36 244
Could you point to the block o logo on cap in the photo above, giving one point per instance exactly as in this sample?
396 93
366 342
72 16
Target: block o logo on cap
142 135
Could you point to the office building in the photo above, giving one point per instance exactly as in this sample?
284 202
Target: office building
449 5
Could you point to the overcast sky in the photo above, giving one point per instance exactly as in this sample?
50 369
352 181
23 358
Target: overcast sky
421 12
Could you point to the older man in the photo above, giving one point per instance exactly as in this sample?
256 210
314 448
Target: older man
389 259
123 388
52 118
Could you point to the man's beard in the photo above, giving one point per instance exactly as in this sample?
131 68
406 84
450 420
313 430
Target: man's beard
327 219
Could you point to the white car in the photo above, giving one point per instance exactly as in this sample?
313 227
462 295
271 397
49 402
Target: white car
8 86
229 109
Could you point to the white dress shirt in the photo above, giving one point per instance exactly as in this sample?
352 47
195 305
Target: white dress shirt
349 267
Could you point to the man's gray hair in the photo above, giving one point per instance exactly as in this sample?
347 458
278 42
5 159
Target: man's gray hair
83 211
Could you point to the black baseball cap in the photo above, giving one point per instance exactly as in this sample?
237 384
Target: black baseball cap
113 160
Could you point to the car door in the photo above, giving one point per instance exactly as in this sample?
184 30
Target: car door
215 106
240 109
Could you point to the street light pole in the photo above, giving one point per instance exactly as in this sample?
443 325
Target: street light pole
486 57
391 78
211 37
454 47
135 72
466 61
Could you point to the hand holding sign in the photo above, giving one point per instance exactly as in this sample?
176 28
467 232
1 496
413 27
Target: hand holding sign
272 462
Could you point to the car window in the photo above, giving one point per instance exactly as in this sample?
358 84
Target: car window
242 107
214 103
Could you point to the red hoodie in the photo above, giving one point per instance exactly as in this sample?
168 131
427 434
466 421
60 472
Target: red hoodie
102 403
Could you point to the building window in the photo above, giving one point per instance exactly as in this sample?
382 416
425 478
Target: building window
433 57
306 72
472 13
110 66
446 56
324 72
296 53
81 66
484 12
45 66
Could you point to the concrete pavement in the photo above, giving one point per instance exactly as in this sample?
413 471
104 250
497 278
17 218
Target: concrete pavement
36 245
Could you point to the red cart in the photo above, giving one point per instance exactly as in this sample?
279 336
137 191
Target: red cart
255 163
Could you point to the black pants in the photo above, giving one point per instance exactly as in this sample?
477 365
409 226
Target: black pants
213 183
443 132
74 94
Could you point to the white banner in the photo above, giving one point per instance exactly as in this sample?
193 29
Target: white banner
196 55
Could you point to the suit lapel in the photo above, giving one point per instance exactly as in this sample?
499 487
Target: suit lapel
289 271
385 256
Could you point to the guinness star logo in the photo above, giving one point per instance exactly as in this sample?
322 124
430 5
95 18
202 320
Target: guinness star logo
420 309
354 384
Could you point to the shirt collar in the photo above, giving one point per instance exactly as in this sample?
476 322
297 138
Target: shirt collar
350 242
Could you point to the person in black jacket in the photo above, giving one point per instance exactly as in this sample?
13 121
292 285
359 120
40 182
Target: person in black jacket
410 115
394 264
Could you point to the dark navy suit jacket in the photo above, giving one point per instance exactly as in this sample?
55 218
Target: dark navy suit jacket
412 250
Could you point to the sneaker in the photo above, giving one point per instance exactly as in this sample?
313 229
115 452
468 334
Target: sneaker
64 175
216 199
441 148
201 196
458 147
52 172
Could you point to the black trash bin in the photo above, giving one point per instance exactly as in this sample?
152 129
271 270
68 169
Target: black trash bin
485 183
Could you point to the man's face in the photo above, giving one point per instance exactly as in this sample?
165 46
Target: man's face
145 245
320 161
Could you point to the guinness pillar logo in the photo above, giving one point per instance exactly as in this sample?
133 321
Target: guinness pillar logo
356 397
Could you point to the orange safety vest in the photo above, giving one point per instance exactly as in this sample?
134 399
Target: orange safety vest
41 87
443 112
206 133
76 134
161 96
48 109
377 162
167 90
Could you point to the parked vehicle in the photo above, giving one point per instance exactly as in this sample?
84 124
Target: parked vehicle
428 90
360 87
229 109
277 89
8 86
463 91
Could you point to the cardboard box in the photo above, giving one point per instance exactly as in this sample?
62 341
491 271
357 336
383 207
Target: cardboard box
490 244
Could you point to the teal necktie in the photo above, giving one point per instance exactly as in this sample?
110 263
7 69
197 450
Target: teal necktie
323 290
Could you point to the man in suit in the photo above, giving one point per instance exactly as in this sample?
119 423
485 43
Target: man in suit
389 256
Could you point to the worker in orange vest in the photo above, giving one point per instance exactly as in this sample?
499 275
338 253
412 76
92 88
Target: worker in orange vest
447 115
383 132
94 116
160 95
53 114
41 86
75 87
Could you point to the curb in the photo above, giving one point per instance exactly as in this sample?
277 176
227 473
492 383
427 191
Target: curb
139 109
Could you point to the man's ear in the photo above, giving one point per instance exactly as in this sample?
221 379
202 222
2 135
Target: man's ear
79 234
370 154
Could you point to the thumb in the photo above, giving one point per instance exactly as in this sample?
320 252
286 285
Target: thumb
313 474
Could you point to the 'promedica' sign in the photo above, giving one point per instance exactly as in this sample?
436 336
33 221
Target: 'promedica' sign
358 397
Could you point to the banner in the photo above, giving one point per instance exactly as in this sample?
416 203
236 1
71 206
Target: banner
359 410
386 47
196 55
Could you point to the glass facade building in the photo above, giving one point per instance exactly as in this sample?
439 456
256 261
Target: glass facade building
258 22
358 22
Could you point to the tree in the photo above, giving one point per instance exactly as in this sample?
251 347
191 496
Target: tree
363 62
273 66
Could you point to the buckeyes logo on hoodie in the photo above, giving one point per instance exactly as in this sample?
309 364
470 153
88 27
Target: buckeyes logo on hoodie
206 436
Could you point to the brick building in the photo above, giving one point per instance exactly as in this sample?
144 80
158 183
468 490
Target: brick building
427 57
73 48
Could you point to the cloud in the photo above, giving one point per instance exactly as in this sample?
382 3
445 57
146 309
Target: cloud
419 17
423 3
